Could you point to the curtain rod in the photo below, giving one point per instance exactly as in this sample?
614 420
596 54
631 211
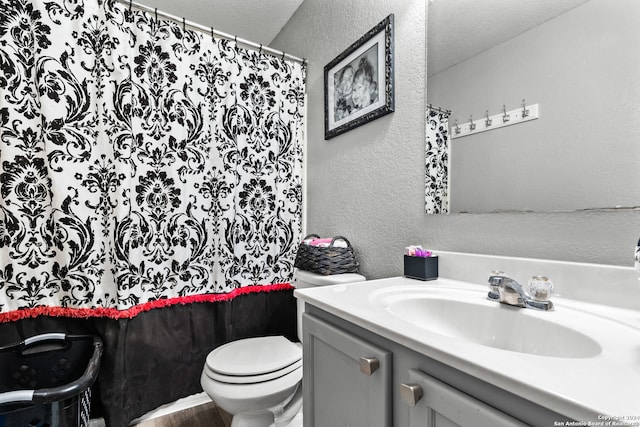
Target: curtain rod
216 33
440 110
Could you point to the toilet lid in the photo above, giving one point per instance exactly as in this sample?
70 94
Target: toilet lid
254 379
254 356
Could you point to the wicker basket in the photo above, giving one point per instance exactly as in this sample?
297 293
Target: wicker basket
326 260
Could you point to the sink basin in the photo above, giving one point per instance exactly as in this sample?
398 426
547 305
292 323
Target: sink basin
469 316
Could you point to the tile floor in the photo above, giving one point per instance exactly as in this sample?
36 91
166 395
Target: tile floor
205 415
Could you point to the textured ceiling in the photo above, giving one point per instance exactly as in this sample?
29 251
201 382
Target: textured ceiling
460 29
258 21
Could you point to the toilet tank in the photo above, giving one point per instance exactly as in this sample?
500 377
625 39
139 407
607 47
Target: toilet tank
305 279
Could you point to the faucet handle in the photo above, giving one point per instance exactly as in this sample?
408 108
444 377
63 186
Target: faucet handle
540 288
497 273
496 279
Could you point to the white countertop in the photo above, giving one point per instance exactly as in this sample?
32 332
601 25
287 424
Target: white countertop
585 389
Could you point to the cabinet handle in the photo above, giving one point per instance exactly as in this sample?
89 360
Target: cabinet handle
410 393
368 365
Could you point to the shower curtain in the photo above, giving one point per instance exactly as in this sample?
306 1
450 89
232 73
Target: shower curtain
144 167
437 162
142 164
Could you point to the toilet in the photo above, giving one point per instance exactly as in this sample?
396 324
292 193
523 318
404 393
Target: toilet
259 380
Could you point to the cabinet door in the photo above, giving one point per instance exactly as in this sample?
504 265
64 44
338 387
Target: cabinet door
346 381
435 404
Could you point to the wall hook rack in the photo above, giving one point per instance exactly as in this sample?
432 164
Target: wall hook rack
504 118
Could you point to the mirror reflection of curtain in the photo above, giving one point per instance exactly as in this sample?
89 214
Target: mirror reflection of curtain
142 163
437 162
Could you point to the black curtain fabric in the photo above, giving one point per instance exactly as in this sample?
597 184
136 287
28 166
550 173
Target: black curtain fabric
158 356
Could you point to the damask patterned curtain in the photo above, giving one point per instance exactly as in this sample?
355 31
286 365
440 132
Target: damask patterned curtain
437 162
142 164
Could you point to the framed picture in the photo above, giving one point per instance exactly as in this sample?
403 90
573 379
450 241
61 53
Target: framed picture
358 83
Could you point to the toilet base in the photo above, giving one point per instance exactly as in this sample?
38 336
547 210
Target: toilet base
290 416
295 421
252 420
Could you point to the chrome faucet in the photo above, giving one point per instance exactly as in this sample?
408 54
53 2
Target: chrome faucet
507 291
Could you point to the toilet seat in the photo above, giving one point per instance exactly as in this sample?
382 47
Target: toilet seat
253 360
252 379
282 385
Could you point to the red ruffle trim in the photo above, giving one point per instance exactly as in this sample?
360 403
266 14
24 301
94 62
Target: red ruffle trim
114 313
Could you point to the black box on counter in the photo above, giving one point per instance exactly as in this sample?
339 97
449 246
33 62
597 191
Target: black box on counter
421 268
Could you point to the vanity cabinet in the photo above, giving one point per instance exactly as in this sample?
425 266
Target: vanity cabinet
347 381
354 377
433 403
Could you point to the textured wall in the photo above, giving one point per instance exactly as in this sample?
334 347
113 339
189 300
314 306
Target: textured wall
368 183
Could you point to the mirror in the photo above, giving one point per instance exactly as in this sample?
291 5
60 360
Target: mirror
574 60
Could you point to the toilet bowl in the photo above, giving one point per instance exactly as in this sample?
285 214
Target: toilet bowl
253 378
259 380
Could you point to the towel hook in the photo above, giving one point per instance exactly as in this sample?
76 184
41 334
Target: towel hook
260 50
525 112
184 25
505 116
213 39
487 121
130 5
283 54
457 127
156 12
472 126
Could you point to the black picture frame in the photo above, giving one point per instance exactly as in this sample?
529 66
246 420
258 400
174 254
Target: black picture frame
359 83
